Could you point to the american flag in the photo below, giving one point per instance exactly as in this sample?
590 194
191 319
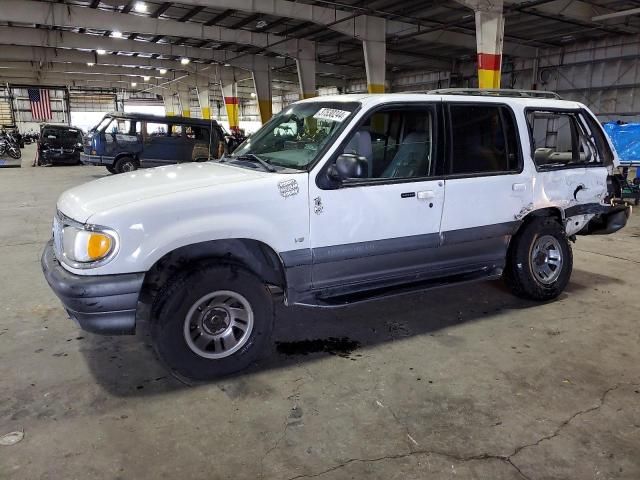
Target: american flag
40 104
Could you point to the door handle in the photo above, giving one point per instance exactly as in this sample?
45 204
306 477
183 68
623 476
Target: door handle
426 195
519 187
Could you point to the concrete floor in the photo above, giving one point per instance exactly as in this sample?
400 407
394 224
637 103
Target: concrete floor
465 382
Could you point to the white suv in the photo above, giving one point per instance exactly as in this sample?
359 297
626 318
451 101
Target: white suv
336 200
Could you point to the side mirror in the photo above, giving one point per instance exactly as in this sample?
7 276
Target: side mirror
348 165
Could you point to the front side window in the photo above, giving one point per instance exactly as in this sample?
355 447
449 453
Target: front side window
119 126
561 139
295 137
395 143
483 140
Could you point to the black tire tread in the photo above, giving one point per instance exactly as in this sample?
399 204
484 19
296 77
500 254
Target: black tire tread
519 280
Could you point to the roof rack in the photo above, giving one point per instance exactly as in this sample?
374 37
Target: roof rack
496 92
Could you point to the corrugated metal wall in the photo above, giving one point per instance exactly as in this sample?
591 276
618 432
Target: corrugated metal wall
6 115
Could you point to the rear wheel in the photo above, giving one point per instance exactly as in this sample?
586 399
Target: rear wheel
540 260
125 164
111 169
212 321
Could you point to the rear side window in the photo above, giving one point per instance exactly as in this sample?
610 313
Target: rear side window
562 139
483 140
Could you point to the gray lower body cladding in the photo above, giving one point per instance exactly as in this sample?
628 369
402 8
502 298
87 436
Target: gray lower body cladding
340 269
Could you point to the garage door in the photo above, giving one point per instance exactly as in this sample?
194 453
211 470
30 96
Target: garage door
5 111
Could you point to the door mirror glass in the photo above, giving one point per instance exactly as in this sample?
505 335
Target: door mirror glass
348 165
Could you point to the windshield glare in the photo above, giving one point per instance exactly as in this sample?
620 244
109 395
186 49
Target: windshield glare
295 137
103 123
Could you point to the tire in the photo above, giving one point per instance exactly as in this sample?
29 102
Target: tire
125 164
188 339
15 152
539 261
111 169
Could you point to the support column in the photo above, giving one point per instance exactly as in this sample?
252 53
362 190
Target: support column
262 83
372 30
184 95
171 104
231 102
306 63
489 38
203 100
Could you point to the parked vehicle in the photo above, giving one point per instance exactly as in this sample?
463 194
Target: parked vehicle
59 145
336 200
123 142
9 146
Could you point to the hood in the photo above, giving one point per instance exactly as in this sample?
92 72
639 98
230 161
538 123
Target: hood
80 203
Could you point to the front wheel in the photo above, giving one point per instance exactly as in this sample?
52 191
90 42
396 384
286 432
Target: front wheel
15 152
125 164
212 321
540 260
111 169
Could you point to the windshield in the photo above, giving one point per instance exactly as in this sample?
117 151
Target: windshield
295 137
63 134
103 123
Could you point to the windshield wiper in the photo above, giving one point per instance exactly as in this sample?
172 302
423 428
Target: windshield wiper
251 156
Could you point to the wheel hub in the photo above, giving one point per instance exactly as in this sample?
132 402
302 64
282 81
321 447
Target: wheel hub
215 320
546 259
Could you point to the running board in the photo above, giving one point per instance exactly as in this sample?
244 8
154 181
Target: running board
397 290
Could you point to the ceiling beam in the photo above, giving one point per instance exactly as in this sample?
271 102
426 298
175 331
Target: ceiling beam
22 36
67 15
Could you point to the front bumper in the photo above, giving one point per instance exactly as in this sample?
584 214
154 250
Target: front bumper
55 156
104 304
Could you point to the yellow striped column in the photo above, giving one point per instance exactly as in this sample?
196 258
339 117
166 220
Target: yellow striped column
262 85
489 39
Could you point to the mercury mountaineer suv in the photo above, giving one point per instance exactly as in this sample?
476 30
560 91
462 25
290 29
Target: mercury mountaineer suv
336 200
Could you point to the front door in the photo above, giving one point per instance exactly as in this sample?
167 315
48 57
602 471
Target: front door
383 226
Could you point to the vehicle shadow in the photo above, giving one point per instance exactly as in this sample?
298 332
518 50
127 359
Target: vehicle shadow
127 366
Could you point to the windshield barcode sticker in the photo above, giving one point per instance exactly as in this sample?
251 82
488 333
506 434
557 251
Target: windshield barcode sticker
332 114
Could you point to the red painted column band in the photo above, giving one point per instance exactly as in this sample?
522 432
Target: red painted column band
231 100
489 61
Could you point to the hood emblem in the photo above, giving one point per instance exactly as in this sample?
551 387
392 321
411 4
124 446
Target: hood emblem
288 188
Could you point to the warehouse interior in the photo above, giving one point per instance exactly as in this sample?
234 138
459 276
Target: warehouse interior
463 382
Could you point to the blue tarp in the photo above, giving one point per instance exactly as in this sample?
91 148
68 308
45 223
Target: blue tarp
626 140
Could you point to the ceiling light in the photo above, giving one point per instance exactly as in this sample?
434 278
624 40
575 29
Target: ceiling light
261 24
163 71
90 64
116 34
134 84
140 7
184 60
100 51
253 94
227 64
146 78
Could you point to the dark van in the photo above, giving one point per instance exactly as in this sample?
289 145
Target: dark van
124 142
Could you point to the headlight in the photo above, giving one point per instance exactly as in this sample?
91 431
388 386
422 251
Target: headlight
83 246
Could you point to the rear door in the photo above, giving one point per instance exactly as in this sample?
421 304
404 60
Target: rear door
488 186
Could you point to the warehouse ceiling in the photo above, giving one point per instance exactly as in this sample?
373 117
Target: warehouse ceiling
427 35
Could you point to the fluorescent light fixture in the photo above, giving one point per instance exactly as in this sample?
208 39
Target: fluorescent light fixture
134 84
101 51
140 7
116 34
146 78
184 60
253 94
90 64
163 71
227 64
